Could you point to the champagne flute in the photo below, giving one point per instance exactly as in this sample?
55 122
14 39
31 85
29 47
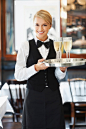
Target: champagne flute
67 43
57 47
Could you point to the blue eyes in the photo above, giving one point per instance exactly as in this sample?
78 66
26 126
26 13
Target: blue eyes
42 25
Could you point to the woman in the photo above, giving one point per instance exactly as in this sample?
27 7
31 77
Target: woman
43 104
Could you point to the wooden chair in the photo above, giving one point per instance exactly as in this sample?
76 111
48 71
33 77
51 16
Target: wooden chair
12 125
78 93
17 100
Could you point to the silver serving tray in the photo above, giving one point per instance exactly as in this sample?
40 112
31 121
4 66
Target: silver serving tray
65 62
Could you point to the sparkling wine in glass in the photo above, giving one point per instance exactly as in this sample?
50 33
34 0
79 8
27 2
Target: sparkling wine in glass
57 47
67 43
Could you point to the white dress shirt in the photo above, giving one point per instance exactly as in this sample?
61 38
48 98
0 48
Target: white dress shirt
24 73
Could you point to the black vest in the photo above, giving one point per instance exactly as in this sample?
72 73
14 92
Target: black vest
42 78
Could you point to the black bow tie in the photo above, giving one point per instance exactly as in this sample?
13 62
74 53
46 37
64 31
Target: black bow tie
46 44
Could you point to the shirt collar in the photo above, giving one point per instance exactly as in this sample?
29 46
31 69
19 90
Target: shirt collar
47 40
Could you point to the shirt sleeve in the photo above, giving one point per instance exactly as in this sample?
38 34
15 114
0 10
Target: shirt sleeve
21 71
59 74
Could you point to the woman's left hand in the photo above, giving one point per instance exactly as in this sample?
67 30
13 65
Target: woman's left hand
63 69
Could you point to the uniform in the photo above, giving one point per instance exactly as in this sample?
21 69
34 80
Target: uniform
43 105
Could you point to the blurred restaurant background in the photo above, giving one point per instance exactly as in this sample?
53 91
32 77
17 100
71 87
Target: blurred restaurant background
69 20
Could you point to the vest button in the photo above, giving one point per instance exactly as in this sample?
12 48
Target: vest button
46 86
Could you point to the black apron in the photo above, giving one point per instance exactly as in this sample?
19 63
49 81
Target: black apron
43 110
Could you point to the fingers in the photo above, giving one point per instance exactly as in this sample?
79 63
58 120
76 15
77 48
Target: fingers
40 65
63 69
41 60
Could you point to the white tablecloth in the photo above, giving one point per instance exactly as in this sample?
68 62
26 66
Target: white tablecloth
66 95
65 92
4 107
5 90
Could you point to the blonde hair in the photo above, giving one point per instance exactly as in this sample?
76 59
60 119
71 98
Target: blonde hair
44 15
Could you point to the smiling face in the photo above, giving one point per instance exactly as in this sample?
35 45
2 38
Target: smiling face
41 28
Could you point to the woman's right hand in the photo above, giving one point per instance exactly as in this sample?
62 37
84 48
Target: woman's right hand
40 65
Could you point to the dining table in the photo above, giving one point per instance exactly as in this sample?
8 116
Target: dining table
5 90
5 106
64 90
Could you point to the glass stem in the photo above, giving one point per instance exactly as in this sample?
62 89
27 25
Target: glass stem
58 55
67 54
